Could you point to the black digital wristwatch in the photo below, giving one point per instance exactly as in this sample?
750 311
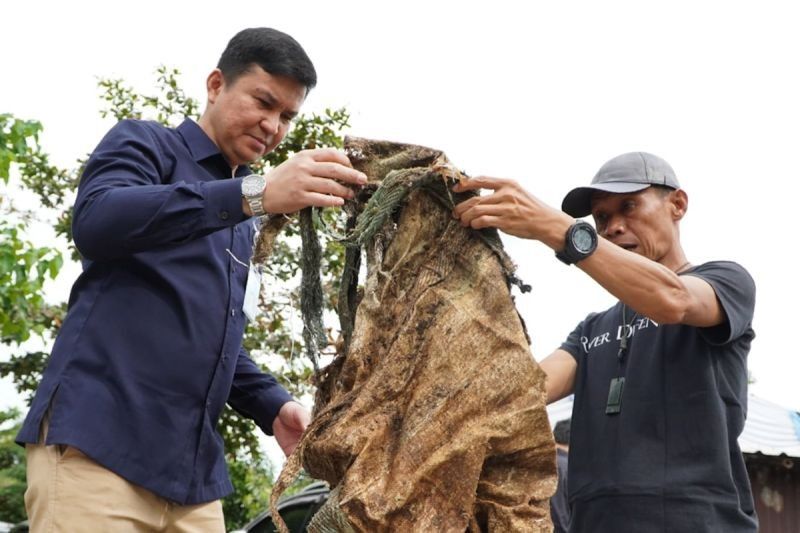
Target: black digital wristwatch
579 243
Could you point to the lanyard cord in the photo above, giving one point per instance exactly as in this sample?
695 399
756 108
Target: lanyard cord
626 329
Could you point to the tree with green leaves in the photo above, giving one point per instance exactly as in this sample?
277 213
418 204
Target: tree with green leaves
23 266
12 469
273 339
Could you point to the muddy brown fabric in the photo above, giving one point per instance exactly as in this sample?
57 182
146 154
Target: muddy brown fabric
434 417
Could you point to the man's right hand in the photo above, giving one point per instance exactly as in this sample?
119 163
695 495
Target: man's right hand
511 209
310 178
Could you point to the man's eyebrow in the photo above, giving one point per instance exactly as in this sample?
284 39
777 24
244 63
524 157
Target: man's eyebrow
267 95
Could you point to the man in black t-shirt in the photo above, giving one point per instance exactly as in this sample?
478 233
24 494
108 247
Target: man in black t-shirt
660 378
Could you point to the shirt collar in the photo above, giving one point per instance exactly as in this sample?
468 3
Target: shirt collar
202 147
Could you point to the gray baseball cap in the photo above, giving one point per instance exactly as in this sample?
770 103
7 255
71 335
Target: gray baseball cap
625 173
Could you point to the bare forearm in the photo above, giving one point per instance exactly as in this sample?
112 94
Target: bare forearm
560 368
648 287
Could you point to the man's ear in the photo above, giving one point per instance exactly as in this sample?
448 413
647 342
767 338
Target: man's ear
214 85
679 203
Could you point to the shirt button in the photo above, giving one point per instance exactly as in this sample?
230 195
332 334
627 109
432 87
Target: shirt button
223 215
233 312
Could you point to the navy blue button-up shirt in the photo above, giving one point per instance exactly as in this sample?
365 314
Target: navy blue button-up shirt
151 347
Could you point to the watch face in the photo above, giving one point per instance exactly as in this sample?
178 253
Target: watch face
583 240
253 185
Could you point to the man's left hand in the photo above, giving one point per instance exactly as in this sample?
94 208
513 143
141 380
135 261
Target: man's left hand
289 425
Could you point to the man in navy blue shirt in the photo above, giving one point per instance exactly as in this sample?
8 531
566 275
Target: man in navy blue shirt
121 433
660 378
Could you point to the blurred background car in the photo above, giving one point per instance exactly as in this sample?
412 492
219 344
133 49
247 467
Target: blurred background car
296 510
22 527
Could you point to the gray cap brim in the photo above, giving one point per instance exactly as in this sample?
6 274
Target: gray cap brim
578 202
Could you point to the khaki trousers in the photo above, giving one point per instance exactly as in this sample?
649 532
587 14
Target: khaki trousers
68 492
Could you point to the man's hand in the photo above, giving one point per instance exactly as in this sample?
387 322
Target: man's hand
512 209
310 178
289 425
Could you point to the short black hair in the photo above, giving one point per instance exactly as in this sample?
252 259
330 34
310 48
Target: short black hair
272 50
561 432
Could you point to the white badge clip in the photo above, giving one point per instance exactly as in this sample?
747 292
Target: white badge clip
251 293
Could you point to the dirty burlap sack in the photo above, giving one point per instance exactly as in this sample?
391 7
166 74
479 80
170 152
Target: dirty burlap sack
432 417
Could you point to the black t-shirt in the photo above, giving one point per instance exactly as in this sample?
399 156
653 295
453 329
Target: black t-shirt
669 461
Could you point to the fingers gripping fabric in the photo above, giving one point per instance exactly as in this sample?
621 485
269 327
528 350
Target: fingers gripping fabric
433 417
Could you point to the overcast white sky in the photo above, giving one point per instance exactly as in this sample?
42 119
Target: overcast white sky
544 93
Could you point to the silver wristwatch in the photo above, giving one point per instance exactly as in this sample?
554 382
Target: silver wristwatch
252 191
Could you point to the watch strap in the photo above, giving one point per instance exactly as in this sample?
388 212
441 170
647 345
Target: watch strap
566 258
256 205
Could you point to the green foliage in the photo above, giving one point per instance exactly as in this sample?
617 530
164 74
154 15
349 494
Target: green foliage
251 475
19 144
16 139
24 267
12 469
168 105
25 370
